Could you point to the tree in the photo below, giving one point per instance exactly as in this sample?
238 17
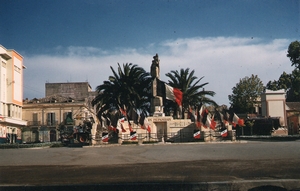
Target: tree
126 89
193 92
284 82
245 94
294 53
290 83
293 92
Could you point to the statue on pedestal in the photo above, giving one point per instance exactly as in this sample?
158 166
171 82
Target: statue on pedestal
155 67
156 101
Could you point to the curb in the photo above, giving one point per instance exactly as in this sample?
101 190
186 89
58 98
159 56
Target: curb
241 185
167 143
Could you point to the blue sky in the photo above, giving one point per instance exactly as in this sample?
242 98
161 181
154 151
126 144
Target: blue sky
77 40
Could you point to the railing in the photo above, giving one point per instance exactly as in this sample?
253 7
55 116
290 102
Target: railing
52 123
39 123
157 137
34 123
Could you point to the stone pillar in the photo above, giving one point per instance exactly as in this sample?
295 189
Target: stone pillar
206 136
232 135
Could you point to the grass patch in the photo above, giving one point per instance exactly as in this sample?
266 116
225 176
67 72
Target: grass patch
129 143
150 142
30 145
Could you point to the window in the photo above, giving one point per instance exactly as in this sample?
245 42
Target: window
51 119
35 119
8 110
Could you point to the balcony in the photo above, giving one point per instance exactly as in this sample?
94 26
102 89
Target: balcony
52 123
39 123
34 123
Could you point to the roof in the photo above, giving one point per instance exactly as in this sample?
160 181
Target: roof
295 106
51 99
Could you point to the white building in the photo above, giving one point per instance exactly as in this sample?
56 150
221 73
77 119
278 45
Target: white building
11 95
273 105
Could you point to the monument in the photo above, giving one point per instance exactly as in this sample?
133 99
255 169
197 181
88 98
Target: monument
156 101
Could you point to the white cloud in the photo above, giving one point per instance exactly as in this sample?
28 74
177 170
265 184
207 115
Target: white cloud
223 61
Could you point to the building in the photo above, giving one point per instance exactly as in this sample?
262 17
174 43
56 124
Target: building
65 104
273 105
11 95
293 117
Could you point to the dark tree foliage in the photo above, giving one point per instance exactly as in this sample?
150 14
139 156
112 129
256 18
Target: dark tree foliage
294 53
290 83
193 91
245 94
128 88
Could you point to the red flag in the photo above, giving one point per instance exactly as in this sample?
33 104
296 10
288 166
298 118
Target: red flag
191 115
199 111
224 133
174 94
210 122
123 129
123 111
112 128
147 125
213 124
105 137
132 136
168 92
130 127
122 119
197 134
237 121
143 121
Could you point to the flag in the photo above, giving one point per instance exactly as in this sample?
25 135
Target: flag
105 137
210 122
191 115
224 133
107 120
112 128
130 127
147 125
168 92
225 116
204 117
122 119
213 124
132 115
123 111
123 129
237 121
207 122
132 135
198 116
143 121
197 134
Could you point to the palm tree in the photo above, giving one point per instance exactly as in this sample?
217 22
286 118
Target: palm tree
128 88
193 92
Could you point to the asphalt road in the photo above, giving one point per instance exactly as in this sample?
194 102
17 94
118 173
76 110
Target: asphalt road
207 166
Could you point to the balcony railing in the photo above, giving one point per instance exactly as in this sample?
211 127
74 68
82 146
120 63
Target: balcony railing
33 123
52 123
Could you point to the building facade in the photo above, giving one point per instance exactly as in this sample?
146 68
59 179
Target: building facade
65 104
11 96
273 105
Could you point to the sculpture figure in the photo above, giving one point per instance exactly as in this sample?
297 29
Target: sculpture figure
155 67
156 101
